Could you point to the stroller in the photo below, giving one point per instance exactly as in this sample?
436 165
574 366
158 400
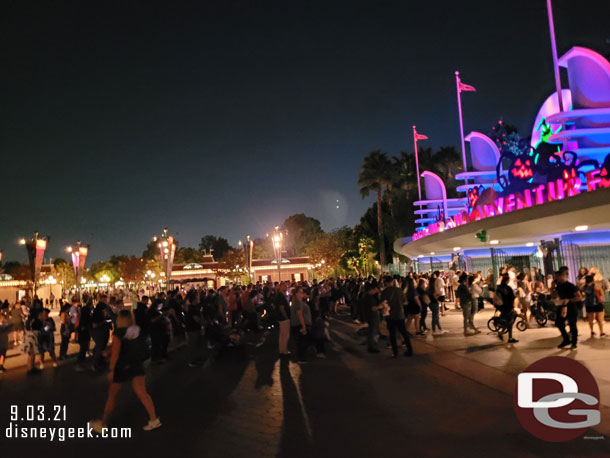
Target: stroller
226 339
543 309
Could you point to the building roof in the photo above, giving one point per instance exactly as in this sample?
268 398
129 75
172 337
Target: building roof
194 266
271 262
255 263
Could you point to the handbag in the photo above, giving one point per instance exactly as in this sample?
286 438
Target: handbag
426 299
498 302
599 294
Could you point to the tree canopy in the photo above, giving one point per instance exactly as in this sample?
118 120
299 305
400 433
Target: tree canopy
217 246
301 229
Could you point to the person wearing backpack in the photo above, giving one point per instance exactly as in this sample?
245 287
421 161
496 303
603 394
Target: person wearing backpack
128 352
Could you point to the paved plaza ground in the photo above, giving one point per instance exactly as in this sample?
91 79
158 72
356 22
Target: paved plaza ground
453 398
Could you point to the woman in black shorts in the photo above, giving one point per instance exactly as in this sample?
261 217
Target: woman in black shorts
128 352
413 307
594 304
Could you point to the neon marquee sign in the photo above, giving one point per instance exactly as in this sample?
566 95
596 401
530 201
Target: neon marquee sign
568 186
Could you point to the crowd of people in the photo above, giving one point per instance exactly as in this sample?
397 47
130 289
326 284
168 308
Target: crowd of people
212 321
513 294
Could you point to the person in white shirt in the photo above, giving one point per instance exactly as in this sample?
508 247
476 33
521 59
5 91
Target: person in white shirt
512 278
439 290
455 282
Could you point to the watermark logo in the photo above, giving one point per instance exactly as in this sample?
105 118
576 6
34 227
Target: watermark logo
557 399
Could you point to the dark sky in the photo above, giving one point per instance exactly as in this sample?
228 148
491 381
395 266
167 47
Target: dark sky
225 117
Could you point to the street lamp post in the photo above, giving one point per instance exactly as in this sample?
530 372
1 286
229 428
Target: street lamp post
167 250
35 248
79 257
248 247
277 238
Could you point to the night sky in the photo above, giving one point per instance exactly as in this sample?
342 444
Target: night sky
225 117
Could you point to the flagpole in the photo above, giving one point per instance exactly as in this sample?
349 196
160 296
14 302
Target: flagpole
549 9
459 99
417 163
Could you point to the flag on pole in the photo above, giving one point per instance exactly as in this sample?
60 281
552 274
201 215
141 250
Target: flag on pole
420 136
466 87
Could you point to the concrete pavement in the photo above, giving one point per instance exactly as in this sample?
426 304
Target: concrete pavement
453 398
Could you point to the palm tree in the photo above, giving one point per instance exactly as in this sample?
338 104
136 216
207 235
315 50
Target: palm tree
447 160
405 172
375 173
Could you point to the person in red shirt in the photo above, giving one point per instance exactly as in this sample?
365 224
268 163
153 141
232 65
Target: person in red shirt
245 296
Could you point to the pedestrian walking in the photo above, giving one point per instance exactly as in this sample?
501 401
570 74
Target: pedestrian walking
396 300
568 299
434 297
371 306
467 305
505 302
128 352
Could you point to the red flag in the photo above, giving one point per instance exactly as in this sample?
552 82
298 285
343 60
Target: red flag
466 87
420 136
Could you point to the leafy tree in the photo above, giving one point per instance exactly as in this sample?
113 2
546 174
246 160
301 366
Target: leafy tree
300 230
231 262
367 227
118 260
12 268
65 272
335 249
405 171
507 138
17 270
262 248
133 269
104 268
324 249
400 191
151 251
217 246
447 162
187 255
365 260
374 175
